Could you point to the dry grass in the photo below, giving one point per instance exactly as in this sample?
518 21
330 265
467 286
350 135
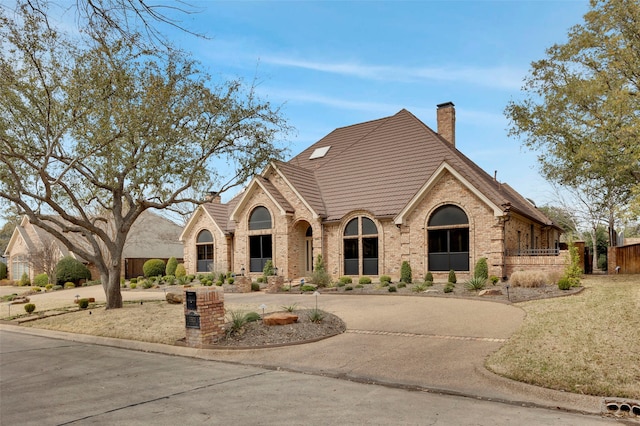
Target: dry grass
588 343
156 322
530 279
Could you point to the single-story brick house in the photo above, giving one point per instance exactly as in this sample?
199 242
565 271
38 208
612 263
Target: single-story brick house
151 236
368 197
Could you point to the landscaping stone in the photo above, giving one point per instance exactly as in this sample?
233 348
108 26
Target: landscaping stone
280 318
491 292
174 298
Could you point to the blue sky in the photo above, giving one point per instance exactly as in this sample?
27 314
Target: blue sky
332 64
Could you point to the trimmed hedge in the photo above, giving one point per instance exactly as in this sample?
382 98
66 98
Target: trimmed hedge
71 270
153 268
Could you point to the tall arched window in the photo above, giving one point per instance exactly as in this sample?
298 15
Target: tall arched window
204 247
448 230
260 246
19 266
360 247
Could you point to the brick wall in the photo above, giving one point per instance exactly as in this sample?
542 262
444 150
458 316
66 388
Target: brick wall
221 245
210 309
548 264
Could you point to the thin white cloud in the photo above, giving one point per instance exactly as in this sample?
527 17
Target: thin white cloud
497 77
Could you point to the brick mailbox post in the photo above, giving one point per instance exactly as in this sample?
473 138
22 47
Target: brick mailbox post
203 315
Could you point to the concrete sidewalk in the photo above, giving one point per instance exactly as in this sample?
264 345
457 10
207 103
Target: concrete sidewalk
427 343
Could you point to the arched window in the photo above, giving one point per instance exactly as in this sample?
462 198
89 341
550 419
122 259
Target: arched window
260 246
360 247
204 247
448 230
19 266
260 219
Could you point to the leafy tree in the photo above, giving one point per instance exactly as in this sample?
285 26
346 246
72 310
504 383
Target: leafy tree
581 107
95 130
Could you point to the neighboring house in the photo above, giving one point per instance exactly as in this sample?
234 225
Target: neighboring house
152 236
368 197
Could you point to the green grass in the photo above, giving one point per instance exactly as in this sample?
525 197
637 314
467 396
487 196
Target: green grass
588 343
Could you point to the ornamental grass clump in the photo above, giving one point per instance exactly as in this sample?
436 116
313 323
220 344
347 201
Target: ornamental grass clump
475 283
315 315
528 279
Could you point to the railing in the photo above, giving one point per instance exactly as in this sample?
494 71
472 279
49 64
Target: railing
532 252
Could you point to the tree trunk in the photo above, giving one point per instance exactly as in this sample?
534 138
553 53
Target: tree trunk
111 285
594 242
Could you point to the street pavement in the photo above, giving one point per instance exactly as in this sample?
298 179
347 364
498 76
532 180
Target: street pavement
47 381
416 345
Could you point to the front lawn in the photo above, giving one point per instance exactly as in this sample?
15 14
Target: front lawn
587 343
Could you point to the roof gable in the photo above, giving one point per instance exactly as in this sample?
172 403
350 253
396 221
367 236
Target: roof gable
262 183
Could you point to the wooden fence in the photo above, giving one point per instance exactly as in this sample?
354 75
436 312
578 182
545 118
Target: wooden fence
624 260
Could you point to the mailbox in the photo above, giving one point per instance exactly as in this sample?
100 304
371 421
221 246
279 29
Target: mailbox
191 300
192 320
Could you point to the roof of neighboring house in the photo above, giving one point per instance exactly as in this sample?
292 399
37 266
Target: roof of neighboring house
150 236
379 166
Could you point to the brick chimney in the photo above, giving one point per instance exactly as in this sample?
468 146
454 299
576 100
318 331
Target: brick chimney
447 122
212 197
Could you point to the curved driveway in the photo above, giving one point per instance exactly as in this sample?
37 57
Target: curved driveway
428 343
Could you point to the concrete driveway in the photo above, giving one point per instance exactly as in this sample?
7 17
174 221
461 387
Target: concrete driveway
429 343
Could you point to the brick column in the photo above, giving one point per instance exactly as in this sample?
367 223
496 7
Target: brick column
243 284
204 315
274 284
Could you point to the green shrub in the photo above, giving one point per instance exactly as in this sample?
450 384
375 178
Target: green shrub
268 269
475 283
236 322
190 277
452 277
133 281
316 315
69 284
231 281
57 287
72 270
181 270
147 284
260 279
169 279
573 271
320 277
385 278
133 286
419 288
222 277
392 289
29 308
24 280
219 283
252 317
83 303
348 288
494 280
41 280
359 286
153 268
402 285
364 280
428 283
564 283
448 288
346 280
482 269
405 273
428 277
290 308
385 283
255 286
3 271
48 287
36 289
340 284
307 288
172 264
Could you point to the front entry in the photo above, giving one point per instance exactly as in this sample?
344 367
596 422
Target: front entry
308 251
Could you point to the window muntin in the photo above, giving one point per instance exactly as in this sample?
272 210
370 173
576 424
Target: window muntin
360 247
19 267
204 250
448 239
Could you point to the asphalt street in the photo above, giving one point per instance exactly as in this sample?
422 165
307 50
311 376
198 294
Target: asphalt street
45 381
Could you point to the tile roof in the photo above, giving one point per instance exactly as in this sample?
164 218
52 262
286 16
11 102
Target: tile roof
379 166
